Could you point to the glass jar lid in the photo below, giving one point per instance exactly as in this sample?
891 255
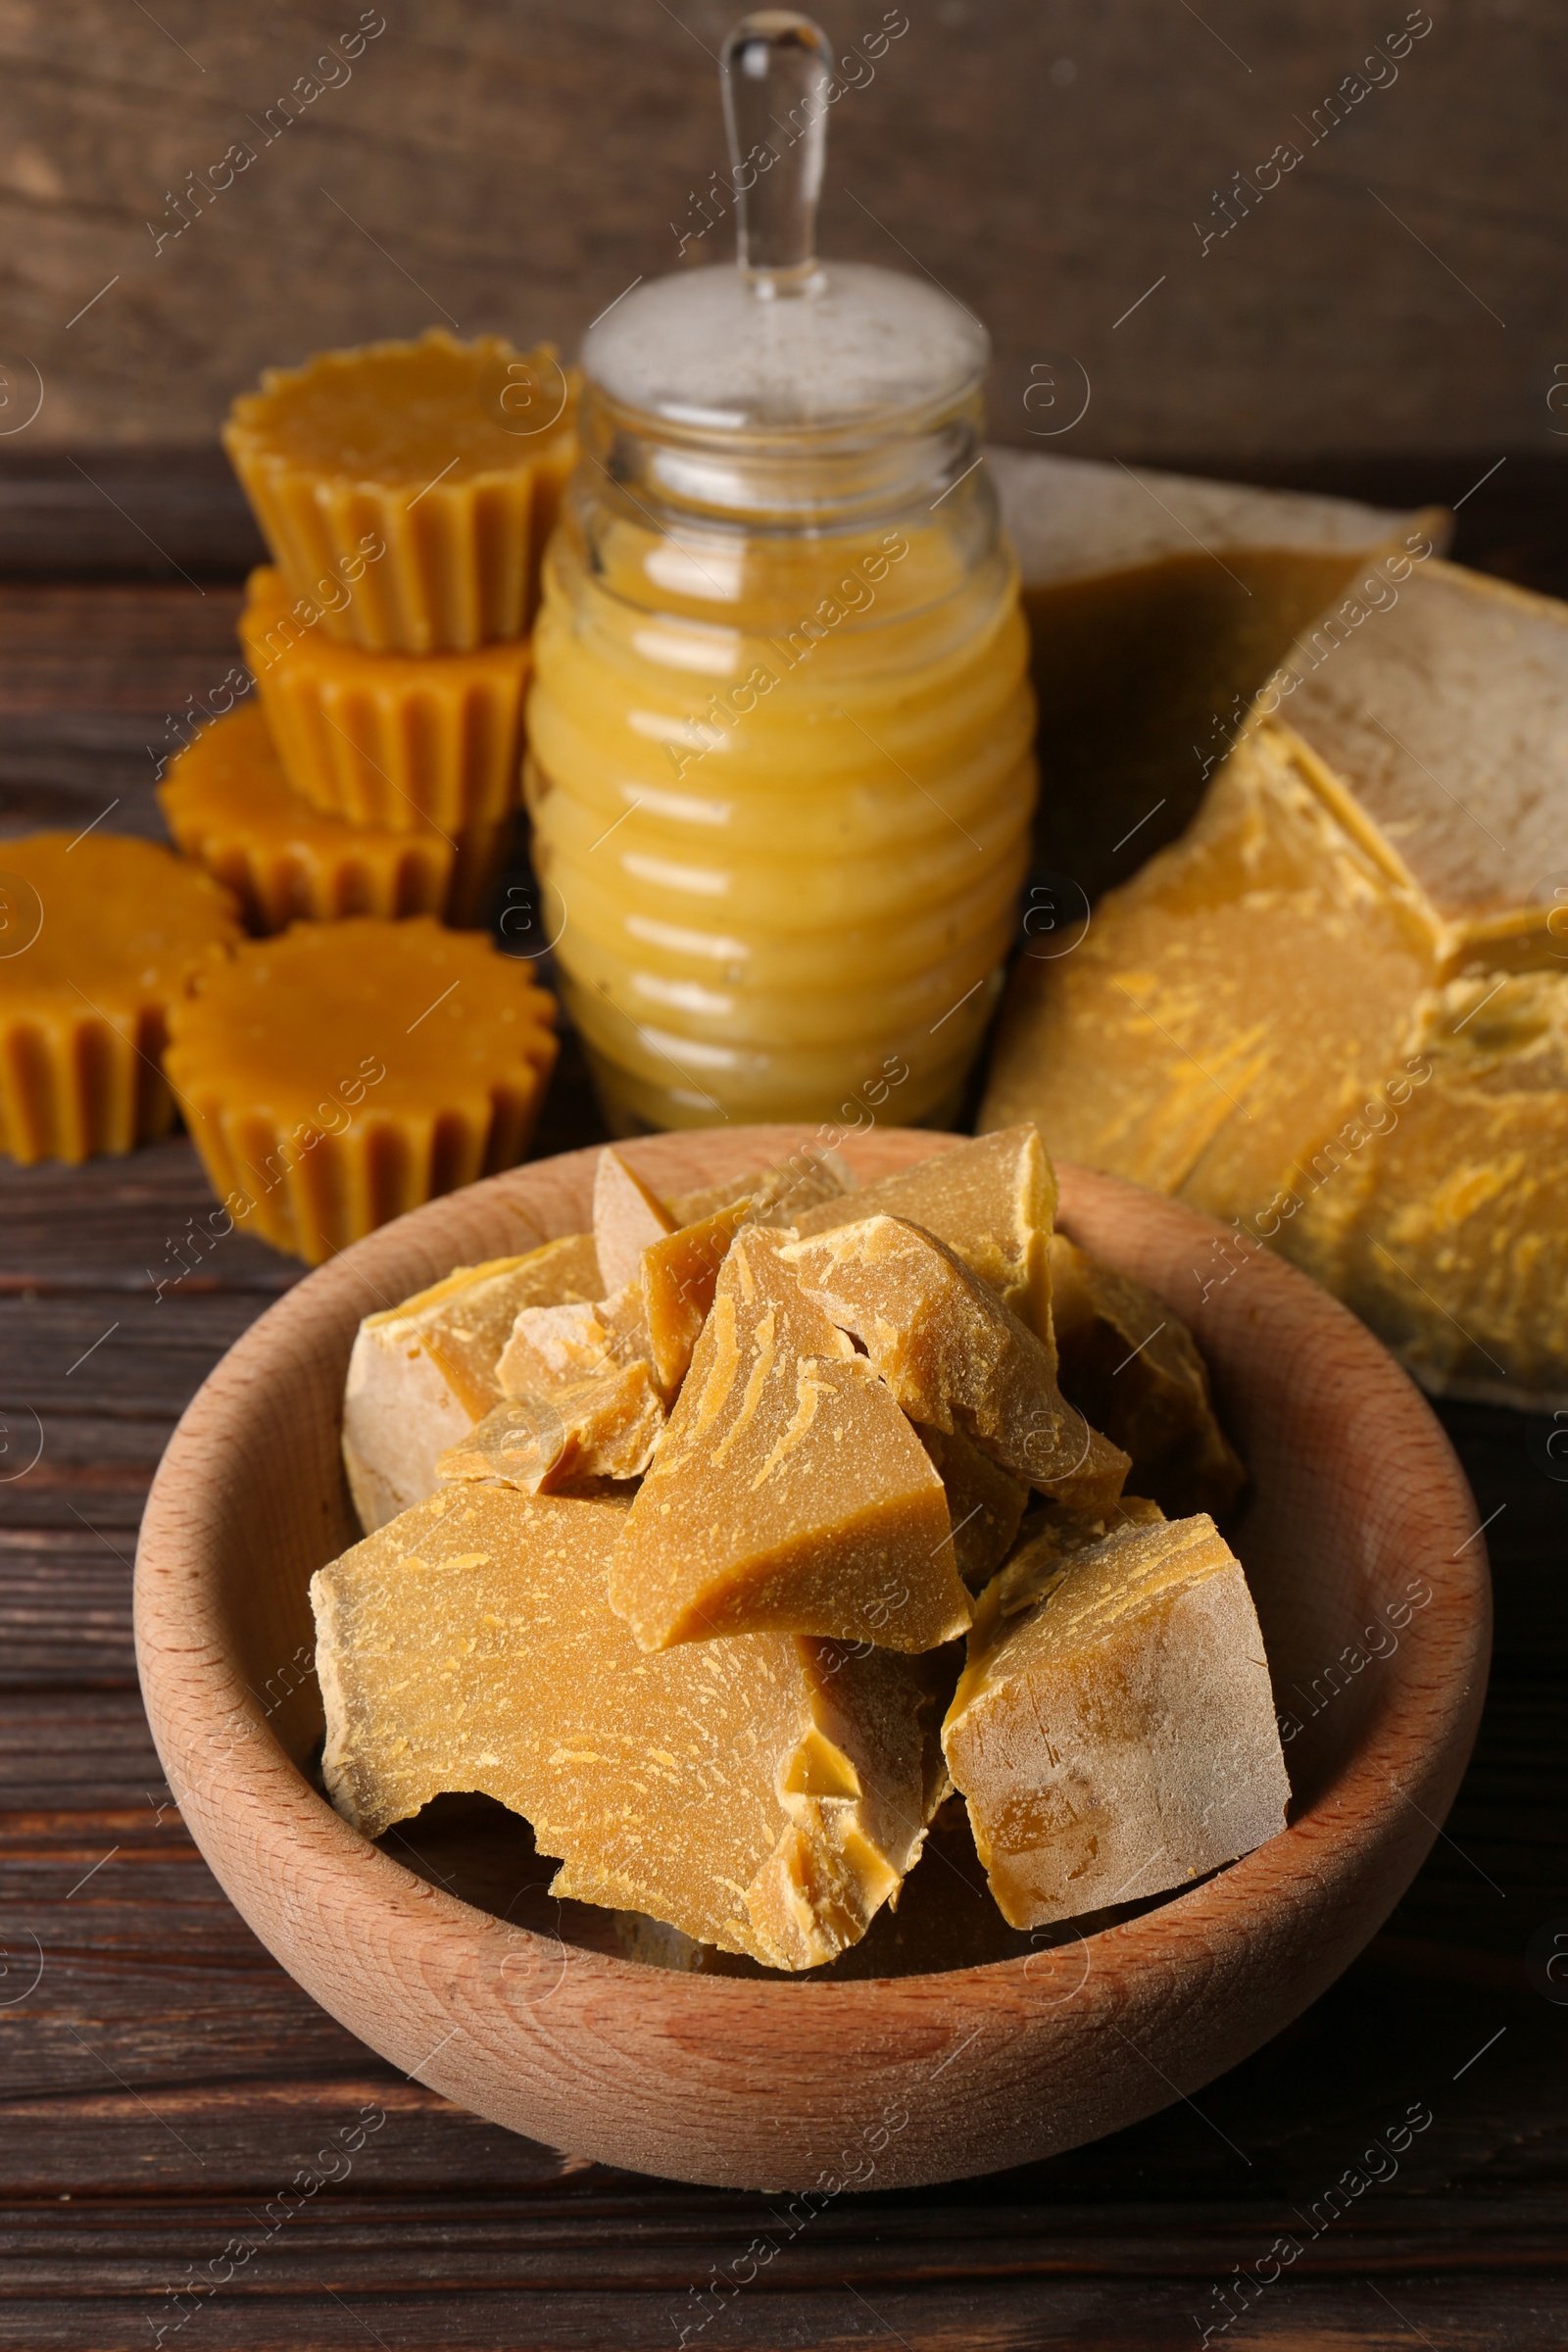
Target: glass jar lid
783 342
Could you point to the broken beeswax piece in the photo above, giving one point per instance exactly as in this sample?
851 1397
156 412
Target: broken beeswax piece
766 1793
1117 1738
991 1199
424 1372
628 1216
789 1490
956 1357
655 1317
1047 1540
607 1427
678 1275
780 1195
551 1346
985 1502
1132 1366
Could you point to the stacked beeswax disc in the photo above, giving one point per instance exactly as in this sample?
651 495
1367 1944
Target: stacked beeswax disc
406 490
366 1060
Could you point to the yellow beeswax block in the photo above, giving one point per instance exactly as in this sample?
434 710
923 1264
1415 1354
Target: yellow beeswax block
552 1345
344 1072
1047 1540
605 1426
228 804
992 1200
399 499
781 1195
1440 731
953 1355
99 937
1117 1737
1225 1004
628 1216
1448 1232
677 1278
764 1793
985 1502
654 1318
1253 1020
401 740
1132 1366
789 1490
421 1373
1157 606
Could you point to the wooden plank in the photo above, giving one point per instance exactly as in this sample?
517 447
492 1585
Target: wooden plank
521 169
112 513
65 1612
159 2020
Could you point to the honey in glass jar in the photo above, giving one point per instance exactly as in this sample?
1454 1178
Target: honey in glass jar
781 769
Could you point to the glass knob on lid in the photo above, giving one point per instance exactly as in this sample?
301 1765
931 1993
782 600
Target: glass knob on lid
783 342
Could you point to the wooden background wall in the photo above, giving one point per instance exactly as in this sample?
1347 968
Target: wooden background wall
515 163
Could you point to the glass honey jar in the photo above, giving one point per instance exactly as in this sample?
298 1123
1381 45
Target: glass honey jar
781 769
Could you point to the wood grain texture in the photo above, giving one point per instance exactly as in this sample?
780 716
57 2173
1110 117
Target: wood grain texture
518 168
163 2078
777 2085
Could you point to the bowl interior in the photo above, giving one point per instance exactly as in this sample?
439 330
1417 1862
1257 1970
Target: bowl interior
1337 1556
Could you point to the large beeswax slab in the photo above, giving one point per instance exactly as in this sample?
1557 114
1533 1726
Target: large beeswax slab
1230 1005
789 1490
1442 729
424 1372
1263 1021
1131 1364
1117 1738
992 1200
763 1793
1448 1232
955 1357
1157 606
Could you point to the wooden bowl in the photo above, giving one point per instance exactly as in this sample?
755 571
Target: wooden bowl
1359 1538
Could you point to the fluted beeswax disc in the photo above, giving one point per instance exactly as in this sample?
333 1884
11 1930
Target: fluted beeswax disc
401 740
345 1072
230 806
98 937
421 477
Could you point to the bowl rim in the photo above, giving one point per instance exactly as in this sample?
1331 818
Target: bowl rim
297 1872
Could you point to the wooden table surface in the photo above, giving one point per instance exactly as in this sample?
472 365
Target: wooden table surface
161 2081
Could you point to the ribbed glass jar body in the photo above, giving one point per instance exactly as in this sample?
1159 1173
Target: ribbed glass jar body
780 767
